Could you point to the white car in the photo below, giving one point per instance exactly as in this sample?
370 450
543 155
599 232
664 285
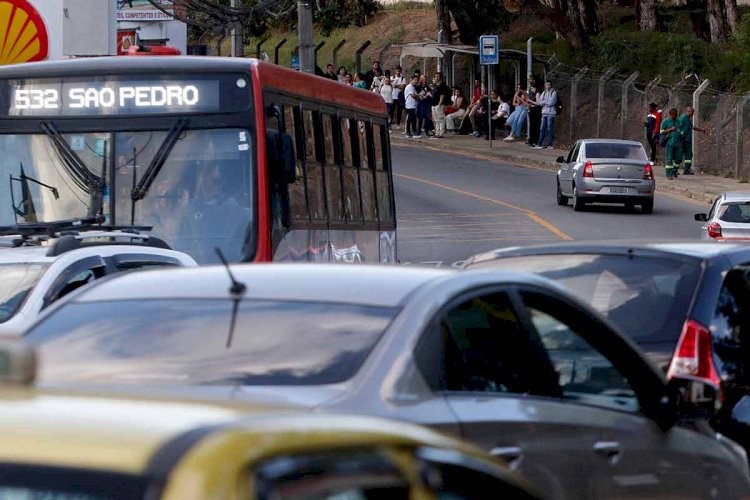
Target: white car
729 218
35 272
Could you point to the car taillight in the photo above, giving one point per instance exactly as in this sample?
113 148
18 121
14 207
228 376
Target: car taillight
693 356
714 230
648 174
588 169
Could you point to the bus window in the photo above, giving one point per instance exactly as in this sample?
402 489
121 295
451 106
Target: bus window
364 157
377 146
351 185
382 179
297 192
314 170
333 173
202 197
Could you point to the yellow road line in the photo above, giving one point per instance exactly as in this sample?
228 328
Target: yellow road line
530 213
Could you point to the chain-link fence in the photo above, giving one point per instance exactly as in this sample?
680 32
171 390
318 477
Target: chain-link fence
608 105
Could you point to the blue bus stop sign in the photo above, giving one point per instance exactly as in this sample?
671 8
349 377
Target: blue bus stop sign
489 49
295 62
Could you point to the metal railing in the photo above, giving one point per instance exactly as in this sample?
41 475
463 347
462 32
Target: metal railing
609 105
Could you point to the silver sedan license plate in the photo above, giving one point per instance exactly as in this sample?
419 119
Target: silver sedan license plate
619 190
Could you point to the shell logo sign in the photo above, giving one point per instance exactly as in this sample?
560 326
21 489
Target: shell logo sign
23 35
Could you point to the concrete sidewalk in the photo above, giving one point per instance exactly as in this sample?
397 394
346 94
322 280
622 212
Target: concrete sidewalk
702 188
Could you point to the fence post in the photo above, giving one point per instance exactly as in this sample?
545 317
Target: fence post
624 111
335 56
276 51
574 101
358 55
739 146
317 48
600 99
381 54
696 106
259 44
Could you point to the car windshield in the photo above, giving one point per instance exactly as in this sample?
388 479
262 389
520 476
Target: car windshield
16 281
30 482
615 151
735 212
647 297
201 198
188 342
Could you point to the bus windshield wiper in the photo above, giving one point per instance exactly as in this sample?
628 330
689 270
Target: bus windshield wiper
141 189
77 169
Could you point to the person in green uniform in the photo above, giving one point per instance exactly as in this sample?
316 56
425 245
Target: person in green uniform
685 127
671 135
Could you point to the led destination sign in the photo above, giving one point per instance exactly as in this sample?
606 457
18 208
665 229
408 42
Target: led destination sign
123 96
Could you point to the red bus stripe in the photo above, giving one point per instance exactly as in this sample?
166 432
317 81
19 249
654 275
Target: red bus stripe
318 88
263 253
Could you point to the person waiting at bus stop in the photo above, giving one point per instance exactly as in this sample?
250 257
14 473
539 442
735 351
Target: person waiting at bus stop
670 138
685 127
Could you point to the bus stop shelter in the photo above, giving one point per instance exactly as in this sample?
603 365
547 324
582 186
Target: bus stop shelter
445 54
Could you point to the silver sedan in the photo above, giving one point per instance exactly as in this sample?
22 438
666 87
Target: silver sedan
606 171
510 362
728 219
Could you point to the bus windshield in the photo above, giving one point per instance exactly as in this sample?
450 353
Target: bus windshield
201 198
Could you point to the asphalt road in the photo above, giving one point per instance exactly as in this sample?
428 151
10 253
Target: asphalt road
451 207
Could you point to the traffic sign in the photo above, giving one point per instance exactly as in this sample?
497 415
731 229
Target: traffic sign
489 49
295 62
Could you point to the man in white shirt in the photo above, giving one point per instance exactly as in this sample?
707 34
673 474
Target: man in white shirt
411 95
399 84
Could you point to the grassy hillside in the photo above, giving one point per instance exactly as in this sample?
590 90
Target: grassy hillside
671 53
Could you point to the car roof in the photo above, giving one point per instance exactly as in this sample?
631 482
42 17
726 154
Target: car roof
736 196
30 255
611 141
687 248
103 433
123 435
39 254
385 286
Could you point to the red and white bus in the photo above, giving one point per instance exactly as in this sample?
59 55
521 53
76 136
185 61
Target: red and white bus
261 161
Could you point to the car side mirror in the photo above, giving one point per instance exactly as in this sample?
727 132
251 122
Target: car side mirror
690 398
560 159
701 217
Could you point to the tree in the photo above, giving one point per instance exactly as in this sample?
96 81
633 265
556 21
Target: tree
732 15
645 15
715 16
477 17
444 20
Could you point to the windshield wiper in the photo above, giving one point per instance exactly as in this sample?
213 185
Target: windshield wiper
26 207
141 189
77 169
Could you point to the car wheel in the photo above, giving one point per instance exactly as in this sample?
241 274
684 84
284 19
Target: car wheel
562 200
647 207
578 203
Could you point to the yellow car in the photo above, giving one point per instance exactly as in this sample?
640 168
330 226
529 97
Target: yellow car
76 447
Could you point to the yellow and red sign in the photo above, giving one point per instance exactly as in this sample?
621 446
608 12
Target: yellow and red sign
125 40
23 35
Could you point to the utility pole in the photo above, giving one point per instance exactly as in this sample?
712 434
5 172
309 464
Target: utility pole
238 35
305 33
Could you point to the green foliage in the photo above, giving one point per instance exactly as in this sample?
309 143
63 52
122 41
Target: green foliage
479 17
739 55
343 13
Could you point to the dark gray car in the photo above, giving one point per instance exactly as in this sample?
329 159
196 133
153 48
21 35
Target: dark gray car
510 362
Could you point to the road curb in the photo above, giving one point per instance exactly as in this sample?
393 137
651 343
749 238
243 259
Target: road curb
662 186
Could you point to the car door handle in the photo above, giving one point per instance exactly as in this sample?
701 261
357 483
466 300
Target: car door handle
611 450
512 455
